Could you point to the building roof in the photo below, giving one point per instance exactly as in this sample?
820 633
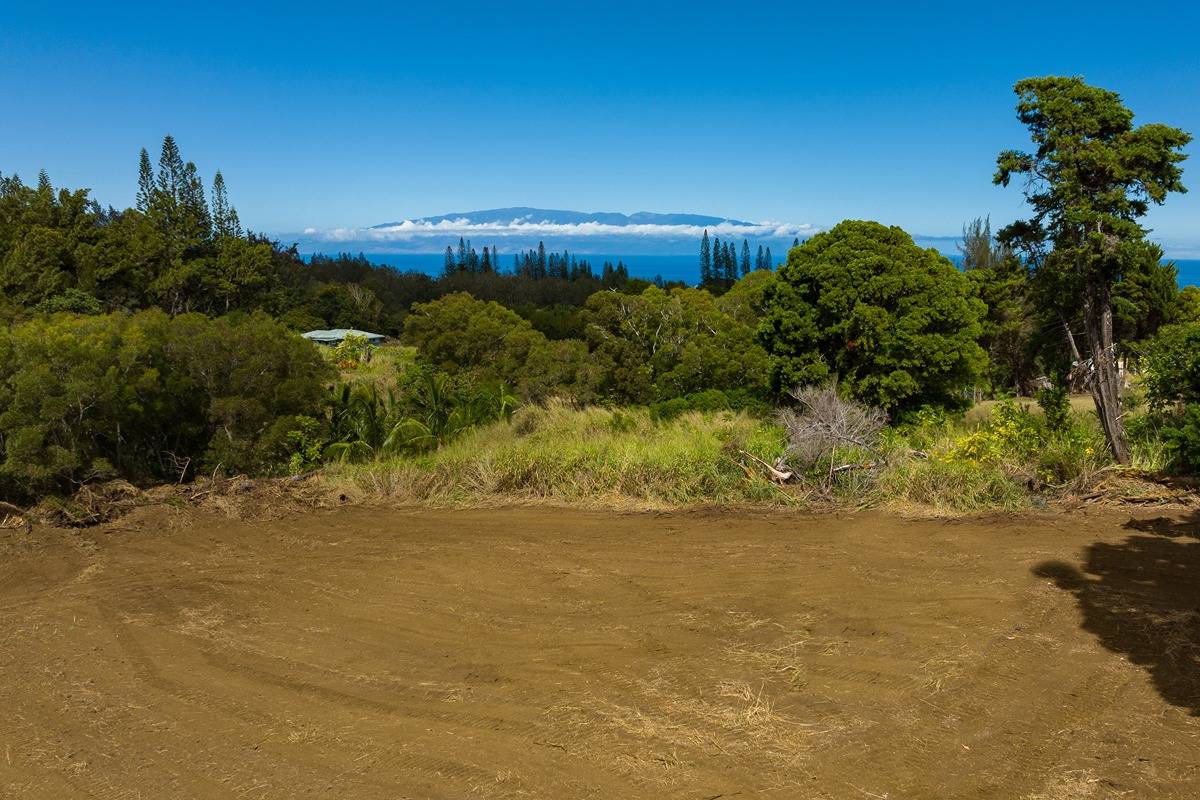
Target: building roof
338 334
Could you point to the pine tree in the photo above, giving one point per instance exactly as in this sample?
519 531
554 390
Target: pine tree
486 264
758 259
541 260
449 266
462 254
745 257
224 216
194 218
768 261
718 266
145 182
166 197
705 260
170 170
796 242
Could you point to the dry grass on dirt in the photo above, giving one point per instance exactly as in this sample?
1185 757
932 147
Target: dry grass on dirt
520 653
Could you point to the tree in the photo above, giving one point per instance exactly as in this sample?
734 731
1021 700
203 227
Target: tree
768 262
1090 178
239 269
224 216
998 278
87 397
759 260
449 265
195 222
484 340
705 260
745 257
145 182
718 270
895 324
1146 295
660 344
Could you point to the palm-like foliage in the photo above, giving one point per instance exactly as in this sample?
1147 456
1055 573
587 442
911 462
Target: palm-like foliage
430 410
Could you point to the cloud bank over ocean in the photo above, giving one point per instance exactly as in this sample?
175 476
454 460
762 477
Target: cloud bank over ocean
423 230
519 228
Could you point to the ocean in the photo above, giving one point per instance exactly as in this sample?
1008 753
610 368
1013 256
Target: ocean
670 267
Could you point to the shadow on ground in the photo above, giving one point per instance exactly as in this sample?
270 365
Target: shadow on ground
1141 598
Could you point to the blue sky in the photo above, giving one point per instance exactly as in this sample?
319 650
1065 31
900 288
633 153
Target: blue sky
333 115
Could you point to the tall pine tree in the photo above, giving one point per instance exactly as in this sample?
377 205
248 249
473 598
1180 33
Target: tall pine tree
194 218
745 257
224 216
706 263
145 192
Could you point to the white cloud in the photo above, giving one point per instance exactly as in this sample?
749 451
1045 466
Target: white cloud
412 230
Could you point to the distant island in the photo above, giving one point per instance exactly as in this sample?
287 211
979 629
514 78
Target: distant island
519 228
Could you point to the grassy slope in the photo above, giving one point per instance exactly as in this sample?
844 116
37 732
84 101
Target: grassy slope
591 455
622 458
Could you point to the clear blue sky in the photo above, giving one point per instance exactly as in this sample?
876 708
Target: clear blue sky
324 115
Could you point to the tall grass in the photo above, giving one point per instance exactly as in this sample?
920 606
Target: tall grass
626 458
589 456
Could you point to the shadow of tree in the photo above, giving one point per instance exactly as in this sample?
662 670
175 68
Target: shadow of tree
1141 597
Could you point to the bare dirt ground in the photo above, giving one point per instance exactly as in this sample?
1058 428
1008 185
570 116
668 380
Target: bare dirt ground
360 653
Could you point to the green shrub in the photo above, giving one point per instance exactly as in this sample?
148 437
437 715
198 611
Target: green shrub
1171 363
1022 442
304 443
1055 402
709 400
147 396
1181 436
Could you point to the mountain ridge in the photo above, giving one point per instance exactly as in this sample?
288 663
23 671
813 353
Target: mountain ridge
533 215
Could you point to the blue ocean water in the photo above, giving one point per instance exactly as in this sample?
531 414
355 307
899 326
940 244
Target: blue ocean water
670 267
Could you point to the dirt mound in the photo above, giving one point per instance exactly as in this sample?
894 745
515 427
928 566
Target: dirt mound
237 498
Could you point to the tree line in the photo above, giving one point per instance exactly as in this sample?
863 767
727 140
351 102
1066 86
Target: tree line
721 266
138 339
534 264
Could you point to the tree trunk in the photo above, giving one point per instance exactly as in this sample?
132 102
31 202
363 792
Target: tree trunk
1070 339
1106 376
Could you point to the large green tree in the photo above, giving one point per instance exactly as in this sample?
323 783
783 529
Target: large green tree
1091 176
895 324
661 344
483 339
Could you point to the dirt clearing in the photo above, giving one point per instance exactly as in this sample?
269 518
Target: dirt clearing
548 653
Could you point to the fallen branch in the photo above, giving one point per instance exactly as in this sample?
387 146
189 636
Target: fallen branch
847 467
14 510
777 475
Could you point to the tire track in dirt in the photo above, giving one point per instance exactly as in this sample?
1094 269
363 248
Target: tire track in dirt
551 653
